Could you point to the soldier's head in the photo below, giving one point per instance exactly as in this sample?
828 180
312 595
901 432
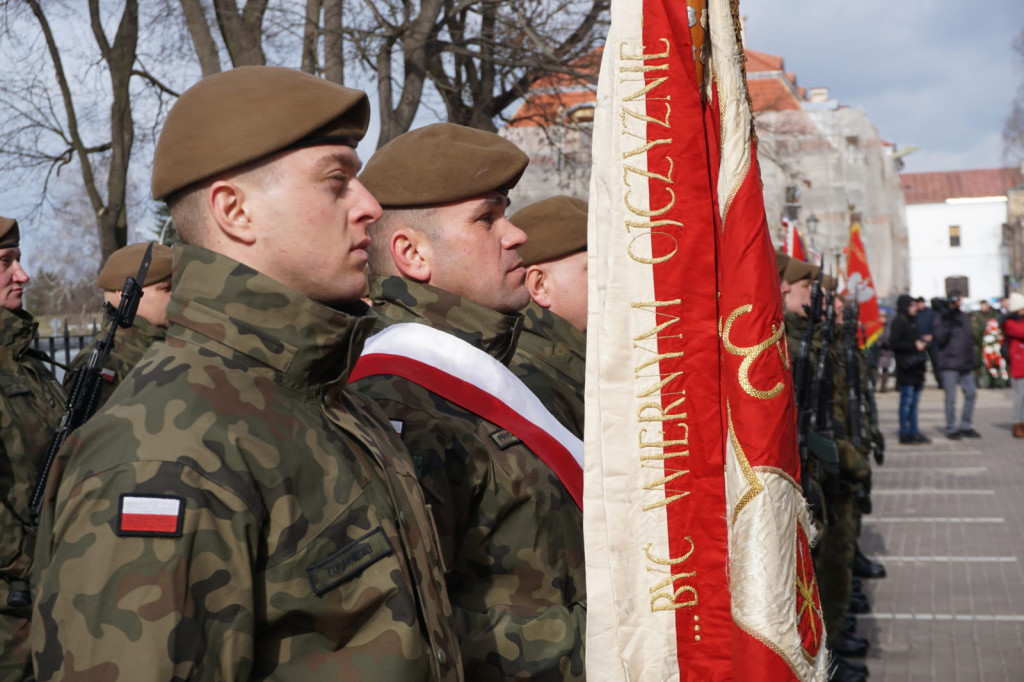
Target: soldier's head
444 192
800 275
781 261
13 277
555 256
156 289
259 164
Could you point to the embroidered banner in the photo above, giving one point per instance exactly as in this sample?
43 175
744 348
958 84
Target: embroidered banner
697 533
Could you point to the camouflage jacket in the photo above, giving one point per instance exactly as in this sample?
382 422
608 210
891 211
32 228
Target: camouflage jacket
129 347
286 536
512 535
551 360
31 405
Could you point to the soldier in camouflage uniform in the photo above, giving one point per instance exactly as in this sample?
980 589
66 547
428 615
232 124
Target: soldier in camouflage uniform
552 350
445 257
833 554
150 323
31 404
234 513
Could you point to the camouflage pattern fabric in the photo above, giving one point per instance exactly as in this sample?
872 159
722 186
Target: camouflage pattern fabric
304 550
31 404
551 360
512 536
129 347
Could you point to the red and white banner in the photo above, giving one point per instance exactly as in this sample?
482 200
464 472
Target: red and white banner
860 284
467 376
698 565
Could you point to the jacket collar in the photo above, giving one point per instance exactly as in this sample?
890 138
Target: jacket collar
542 322
242 314
17 329
397 299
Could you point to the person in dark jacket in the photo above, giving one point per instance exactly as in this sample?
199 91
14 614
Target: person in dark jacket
957 361
925 324
909 348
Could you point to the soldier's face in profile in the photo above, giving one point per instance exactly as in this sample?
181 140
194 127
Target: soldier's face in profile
311 217
799 295
566 288
153 304
13 279
476 253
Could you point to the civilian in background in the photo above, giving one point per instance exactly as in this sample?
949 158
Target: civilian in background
1013 329
909 349
957 360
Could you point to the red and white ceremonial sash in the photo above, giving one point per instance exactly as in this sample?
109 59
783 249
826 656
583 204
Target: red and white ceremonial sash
697 535
467 376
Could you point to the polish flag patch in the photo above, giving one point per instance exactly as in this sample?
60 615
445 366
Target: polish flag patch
107 374
150 516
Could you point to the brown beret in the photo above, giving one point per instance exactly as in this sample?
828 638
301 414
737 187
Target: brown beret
797 270
238 116
440 163
125 262
10 235
554 228
781 261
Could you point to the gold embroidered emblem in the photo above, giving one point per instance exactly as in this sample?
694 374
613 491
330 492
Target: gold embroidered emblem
752 353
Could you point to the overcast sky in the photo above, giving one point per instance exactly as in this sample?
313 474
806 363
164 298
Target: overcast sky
935 74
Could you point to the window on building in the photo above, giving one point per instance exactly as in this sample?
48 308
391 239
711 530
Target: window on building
958 283
954 236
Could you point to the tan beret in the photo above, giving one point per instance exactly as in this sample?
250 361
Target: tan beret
10 234
554 228
440 163
238 116
125 262
797 270
781 261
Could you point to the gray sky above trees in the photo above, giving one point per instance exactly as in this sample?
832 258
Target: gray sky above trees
937 75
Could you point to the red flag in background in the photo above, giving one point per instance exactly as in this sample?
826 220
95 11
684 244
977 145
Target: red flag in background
860 284
794 242
698 565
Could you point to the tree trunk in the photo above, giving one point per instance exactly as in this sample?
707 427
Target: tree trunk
416 57
202 39
311 36
334 43
242 33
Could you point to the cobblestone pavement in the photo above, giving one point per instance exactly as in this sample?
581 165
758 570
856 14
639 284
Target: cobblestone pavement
948 524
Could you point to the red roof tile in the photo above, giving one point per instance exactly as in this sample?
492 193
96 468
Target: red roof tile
933 188
762 61
771 94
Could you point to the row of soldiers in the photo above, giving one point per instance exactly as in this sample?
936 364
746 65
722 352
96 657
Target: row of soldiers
299 470
279 484
838 436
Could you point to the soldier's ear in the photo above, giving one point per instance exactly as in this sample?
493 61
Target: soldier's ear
537 285
412 253
226 201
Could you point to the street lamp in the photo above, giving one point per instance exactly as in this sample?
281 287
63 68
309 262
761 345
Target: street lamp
812 225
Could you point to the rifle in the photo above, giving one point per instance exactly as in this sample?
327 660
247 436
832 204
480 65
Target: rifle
853 387
872 409
85 389
821 394
802 385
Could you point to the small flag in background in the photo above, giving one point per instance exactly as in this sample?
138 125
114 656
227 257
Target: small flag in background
860 284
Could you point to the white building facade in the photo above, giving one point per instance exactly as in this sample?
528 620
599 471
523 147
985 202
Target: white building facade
958 244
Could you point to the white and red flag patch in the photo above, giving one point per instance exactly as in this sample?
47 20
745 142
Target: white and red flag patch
150 516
